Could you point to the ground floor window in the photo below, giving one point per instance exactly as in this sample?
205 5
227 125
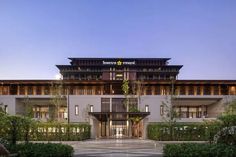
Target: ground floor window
191 111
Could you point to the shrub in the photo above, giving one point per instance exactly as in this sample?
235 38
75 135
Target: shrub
182 132
195 150
16 128
228 120
45 150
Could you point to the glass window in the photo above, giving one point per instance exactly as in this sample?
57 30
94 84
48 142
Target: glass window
182 90
38 90
22 90
105 104
198 89
46 90
89 91
190 90
30 90
207 90
157 90
216 90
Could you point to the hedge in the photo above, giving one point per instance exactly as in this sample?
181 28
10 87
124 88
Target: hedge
42 150
16 128
60 132
182 132
196 150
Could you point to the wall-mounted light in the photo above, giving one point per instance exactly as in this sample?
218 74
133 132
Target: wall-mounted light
146 108
91 108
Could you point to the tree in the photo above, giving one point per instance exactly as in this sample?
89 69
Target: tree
86 113
28 107
231 108
2 108
58 99
125 89
137 89
170 115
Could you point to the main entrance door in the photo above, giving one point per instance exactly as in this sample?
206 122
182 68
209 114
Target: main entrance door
119 129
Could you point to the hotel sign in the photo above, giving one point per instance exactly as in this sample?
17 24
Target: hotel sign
118 63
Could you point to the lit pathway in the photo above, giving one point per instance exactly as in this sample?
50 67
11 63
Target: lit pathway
116 148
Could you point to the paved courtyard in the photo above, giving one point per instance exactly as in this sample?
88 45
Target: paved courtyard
116 148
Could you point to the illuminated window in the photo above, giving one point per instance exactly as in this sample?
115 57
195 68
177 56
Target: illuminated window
232 90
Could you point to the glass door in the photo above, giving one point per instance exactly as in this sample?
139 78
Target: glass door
119 129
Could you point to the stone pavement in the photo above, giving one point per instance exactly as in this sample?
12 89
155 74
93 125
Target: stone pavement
116 148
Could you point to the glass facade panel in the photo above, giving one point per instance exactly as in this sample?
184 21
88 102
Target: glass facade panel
105 105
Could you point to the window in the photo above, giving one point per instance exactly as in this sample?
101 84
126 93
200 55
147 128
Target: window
157 90
149 90
97 90
76 110
198 89
216 90
30 90
89 91
232 90
146 108
224 90
38 90
182 90
46 90
22 90
105 105
207 90
81 91
190 90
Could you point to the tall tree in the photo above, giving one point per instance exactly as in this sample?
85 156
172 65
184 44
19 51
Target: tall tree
137 89
58 100
125 89
28 107
170 115
231 108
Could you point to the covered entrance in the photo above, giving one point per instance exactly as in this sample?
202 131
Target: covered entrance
117 120
119 124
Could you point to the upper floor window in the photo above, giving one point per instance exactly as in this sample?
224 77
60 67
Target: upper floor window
22 90
207 90
30 90
38 90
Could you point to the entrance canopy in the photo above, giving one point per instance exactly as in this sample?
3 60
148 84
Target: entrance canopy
103 116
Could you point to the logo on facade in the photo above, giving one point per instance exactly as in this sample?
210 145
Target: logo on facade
119 62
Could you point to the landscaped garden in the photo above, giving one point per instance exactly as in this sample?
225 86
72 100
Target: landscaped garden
16 132
220 134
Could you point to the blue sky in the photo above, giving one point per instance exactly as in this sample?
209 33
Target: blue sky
35 35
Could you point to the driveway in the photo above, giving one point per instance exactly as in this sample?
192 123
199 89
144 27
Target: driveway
116 148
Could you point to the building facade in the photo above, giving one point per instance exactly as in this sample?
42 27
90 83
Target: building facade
91 91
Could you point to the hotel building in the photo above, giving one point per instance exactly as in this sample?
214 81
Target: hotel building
91 91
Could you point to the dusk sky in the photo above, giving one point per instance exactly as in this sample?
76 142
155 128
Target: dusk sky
35 35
